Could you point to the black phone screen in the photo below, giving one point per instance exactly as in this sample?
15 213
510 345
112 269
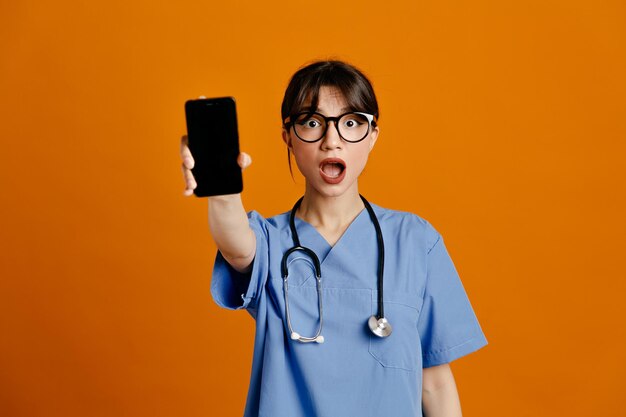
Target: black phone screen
214 145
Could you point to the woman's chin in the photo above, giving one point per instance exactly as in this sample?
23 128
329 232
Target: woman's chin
339 189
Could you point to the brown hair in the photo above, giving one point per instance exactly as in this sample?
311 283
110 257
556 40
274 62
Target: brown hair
305 85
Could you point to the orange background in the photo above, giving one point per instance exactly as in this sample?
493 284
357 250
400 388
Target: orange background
501 123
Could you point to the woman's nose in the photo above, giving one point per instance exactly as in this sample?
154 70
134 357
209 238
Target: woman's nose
331 139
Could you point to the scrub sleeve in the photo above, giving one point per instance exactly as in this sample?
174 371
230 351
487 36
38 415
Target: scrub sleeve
447 325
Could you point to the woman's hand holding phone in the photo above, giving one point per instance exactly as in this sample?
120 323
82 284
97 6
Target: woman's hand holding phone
244 160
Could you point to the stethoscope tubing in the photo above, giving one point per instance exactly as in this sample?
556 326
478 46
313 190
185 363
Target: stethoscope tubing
381 257
318 277
378 324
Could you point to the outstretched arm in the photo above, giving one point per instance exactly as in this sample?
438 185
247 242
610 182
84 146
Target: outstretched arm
232 233
227 218
439 395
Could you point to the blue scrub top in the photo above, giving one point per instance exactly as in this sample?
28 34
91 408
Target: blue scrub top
353 372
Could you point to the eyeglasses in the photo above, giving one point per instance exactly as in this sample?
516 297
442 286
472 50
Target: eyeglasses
311 126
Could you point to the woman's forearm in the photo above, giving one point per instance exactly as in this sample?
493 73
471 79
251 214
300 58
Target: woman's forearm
231 231
439 394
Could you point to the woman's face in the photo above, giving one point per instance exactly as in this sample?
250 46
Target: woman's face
331 166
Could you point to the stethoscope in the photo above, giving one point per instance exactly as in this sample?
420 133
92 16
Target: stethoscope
378 324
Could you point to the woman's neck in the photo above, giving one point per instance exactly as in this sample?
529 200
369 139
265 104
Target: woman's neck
330 213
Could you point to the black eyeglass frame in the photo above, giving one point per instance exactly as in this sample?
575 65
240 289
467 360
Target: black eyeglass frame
289 122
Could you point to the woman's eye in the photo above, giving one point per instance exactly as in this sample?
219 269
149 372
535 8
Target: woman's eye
351 123
310 123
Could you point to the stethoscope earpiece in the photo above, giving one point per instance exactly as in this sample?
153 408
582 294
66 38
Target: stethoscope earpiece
316 339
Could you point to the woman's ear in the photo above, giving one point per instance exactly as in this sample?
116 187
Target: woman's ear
286 138
374 136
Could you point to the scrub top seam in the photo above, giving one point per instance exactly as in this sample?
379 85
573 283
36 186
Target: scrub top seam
440 351
427 279
372 291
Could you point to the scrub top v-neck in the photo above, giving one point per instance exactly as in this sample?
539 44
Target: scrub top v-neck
353 372
311 236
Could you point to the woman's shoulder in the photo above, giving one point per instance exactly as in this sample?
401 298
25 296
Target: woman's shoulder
278 221
401 217
407 223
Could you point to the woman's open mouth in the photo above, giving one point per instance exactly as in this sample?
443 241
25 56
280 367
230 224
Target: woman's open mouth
333 170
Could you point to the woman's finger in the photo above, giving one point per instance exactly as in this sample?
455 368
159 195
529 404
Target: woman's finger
185 153
244 160
190 181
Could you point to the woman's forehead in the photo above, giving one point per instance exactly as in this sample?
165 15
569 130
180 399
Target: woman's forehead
328 98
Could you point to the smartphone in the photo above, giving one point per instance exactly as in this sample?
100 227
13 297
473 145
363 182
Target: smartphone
214 145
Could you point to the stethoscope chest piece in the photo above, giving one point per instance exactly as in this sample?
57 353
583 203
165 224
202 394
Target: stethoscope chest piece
379 326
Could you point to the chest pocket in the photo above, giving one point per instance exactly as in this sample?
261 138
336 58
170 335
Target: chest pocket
402 348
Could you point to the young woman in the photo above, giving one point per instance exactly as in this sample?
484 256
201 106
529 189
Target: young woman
358 308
